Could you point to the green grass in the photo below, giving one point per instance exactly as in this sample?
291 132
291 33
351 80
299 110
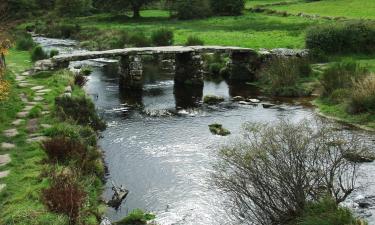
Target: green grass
21 202
252 3
357 9
249 30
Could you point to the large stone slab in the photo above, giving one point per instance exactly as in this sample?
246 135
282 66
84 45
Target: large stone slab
10 133
4 159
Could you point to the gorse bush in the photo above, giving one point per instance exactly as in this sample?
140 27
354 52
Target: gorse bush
38 54
348 37
162 37
282 76
362 95
25 42
79 109
65 195
340 76
227 7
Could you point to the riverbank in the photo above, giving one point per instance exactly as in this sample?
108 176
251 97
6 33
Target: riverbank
28 117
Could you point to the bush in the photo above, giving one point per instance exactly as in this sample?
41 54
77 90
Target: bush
25 42
84 134
73 7
276 170
80 79
282 76
53 53
340 76
86 70
61 149
58 29
192 9
79 109
38 54
348 37
137 217
139 39
362 95
65 196
162 37
227 7
194 41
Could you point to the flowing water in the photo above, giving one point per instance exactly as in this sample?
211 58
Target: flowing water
159 147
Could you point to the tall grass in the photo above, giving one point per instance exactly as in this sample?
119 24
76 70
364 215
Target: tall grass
362 96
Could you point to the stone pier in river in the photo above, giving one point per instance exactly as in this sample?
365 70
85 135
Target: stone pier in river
188 63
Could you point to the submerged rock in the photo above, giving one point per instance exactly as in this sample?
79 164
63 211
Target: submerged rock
360 158
238 98
218 129
212 99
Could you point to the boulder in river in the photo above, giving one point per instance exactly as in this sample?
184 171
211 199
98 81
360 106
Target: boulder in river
119 195
218 129
212 99
238 98
360 157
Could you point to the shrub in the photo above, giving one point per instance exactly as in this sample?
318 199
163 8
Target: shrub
25 42
53 52
80 79
62 149
86 70
348 37
282 76
79 109
162 37
276 170
139 39
362 95
227 7
193 41
137 217
58 29
65 196
82 134
38 54
191 9
340 76
73 7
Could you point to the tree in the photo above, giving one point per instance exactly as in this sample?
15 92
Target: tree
73 7
277 170
136 6
190 9
227 7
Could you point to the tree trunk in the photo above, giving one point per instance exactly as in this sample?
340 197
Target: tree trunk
136 11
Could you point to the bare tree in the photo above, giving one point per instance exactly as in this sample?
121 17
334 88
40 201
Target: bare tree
276 170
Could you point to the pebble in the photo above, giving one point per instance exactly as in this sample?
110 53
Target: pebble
10 133
4 174
253 100
7 146
4 159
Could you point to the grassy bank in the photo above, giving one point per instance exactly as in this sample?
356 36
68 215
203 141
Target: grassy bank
21 202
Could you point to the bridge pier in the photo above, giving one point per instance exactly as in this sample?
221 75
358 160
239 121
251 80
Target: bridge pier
189 69
242 66
131 70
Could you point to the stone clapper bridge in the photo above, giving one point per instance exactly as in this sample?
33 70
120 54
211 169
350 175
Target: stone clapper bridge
187 59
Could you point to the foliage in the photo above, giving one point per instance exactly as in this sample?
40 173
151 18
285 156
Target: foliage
227 7
136 217
73 7
212 99
282 76
65 195
81 134
348 37
61 149
79 109
80 79
139 39
191 9
340 76
25 42
362 95
53 53
86 70
218 129
194 41
57 29
277 169
162 37
38 54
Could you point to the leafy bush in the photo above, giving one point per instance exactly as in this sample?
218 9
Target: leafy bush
25 42
340 76
62 149
84 134
79 109
282 76
58 29
191 9
162 37
80 79
86 70
348 37
38 54
194 41
227 7
53 53
139 39
65 196
362 95
73 7
137 217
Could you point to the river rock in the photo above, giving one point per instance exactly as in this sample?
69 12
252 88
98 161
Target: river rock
254 100
364 157
238 98
212 99
218 129
267 105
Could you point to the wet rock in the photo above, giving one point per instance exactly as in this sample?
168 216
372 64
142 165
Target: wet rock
212 99
7 146
254 100
366 202
267 105
238 98
10 133
245 103
218 129
360 157
119 195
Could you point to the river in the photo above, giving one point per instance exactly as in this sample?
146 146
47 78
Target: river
158 144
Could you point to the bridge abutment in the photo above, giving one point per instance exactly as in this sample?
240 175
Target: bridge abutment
189 69
241 66
131 72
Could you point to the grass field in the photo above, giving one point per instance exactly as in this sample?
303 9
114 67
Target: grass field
357 9
248 30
